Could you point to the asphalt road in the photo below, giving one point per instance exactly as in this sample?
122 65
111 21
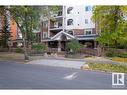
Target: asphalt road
30 76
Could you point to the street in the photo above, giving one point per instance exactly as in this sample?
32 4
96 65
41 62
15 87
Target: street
30 76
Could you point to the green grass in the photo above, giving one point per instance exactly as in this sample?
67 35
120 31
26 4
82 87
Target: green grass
5 58
19 50
108 67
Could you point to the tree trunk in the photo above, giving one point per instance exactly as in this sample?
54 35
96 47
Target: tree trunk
25 36
26 57
99 50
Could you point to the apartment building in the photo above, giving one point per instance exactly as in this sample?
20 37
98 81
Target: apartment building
70 22
15 33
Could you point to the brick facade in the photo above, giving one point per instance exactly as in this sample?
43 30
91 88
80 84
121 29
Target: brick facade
81 31
13 29
52 34
51 23
93 31
78 31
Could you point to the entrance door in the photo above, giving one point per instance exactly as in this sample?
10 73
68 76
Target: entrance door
63 42
63 45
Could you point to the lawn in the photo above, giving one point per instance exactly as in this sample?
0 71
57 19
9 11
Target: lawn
119 59
108 67
18 57
10 56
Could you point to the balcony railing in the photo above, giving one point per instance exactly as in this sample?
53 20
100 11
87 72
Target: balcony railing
58 14
87 37
56 27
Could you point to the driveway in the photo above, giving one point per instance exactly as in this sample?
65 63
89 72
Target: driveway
76 64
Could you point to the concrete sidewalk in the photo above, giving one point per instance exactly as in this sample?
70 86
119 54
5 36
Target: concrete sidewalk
76 64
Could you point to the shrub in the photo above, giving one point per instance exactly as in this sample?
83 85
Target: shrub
121 46
19 50
38 47
123 55
111 53
73 45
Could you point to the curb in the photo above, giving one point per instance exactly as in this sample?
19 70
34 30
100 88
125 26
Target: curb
68 59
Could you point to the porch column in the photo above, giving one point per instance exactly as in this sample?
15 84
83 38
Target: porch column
46 44
59 46
95 44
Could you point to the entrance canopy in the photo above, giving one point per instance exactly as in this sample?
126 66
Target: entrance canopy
62 36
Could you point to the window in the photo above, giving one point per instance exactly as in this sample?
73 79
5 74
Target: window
59 24
70 32
70 22
45 24
45 35
55 24
88 31
69 10
60 13
0 23
88 8
86 21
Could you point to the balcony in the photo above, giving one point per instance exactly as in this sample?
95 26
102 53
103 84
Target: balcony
87 37
59 14
56 28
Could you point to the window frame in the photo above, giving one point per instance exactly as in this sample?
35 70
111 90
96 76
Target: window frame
68 23
88 31
88 8
45 24
86 21
70 31
69 10
45 33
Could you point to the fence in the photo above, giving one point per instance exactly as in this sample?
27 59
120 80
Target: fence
52 50
89 51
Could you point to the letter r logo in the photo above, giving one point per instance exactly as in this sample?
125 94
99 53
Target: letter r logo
118 79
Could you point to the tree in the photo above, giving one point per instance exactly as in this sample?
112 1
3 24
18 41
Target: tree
112 23
27 19
5 34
